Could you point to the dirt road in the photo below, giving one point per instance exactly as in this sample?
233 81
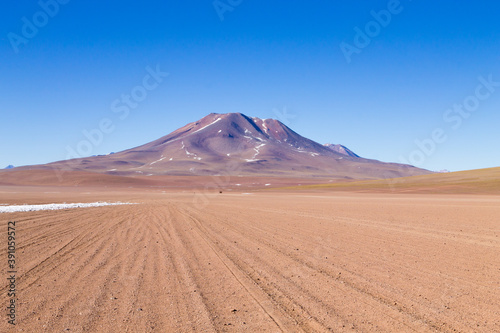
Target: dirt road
262 262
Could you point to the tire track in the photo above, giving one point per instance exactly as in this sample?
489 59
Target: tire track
341 282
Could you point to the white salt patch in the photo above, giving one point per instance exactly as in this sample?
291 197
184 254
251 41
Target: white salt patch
267 184
32 208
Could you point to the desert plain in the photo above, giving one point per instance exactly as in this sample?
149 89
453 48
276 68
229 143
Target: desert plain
254 260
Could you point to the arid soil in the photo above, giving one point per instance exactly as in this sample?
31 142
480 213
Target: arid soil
259 262
480 181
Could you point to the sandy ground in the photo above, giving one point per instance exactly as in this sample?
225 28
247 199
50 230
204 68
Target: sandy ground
260 262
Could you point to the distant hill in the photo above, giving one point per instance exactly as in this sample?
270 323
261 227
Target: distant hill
341 149
234 144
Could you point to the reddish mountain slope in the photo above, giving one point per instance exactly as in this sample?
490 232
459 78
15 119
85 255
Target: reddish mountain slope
222 144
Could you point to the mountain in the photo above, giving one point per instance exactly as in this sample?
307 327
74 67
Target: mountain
341 149
234 144
10 166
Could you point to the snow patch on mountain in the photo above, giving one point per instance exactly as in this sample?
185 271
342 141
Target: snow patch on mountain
161 159
208 125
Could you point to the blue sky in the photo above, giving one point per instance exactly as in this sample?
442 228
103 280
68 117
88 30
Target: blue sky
384 101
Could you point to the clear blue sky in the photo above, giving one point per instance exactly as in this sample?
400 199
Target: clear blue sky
261 58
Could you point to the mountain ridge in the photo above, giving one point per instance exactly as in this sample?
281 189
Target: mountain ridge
234 143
